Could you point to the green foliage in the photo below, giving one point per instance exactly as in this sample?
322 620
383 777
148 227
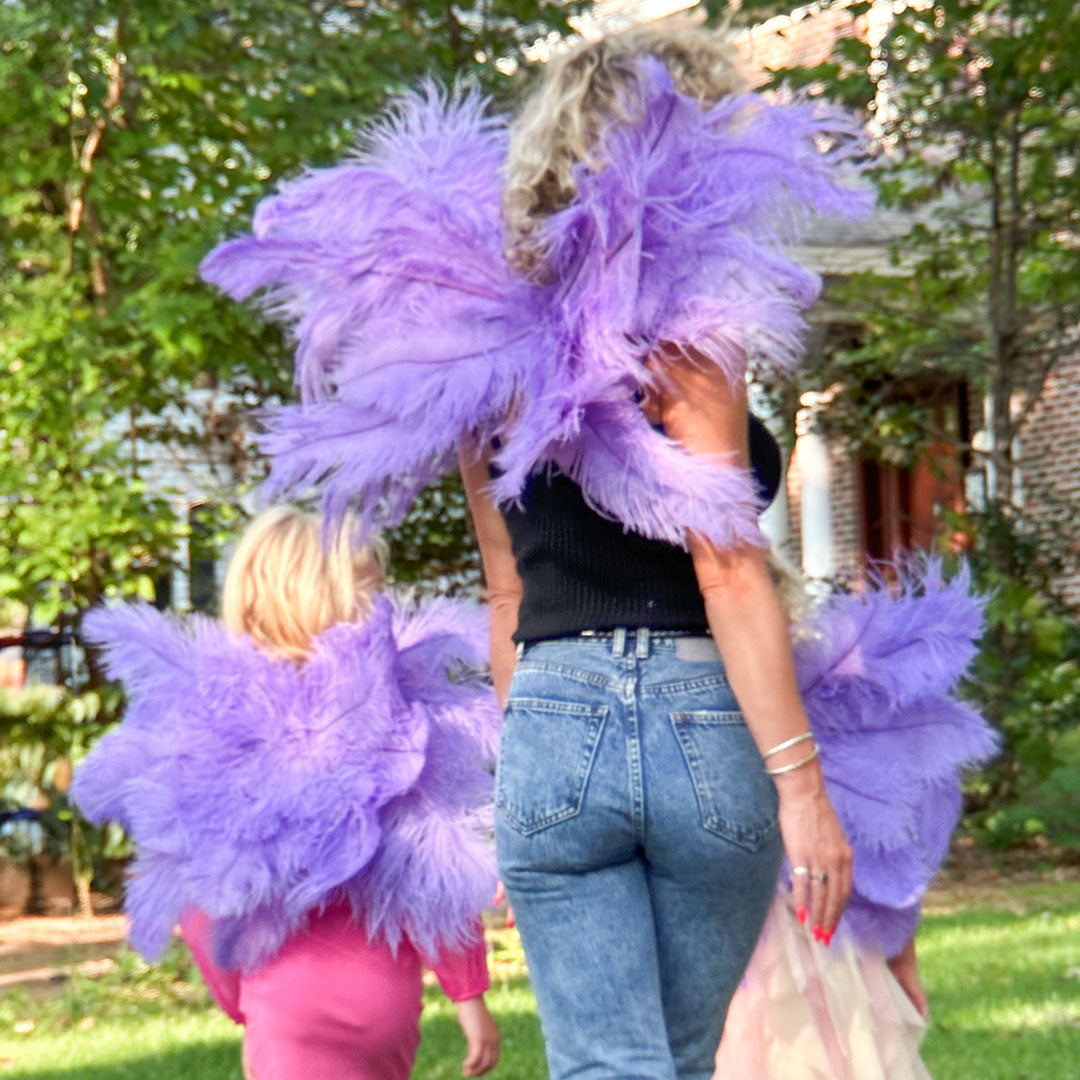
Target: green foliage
433 550
1026 681
136 136
978 111
44 730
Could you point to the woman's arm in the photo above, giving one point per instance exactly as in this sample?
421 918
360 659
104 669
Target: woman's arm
701 410
500 570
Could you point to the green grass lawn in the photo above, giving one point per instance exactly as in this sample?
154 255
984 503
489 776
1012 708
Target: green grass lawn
1003 975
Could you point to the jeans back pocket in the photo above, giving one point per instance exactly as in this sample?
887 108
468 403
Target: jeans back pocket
545 758
736 798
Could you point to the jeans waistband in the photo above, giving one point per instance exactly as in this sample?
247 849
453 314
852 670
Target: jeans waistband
624 639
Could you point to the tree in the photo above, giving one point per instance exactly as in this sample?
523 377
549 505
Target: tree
137 135
977 110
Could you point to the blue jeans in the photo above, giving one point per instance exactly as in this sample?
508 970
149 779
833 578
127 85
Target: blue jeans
637 837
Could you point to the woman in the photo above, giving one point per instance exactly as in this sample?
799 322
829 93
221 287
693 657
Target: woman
571 300
635 828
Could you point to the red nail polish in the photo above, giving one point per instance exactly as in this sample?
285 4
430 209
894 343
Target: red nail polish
800 914
817 933
827 937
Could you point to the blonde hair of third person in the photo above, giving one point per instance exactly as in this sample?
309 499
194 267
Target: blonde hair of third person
287 583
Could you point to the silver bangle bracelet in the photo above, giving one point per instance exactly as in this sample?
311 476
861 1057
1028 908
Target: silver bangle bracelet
787 744
795 764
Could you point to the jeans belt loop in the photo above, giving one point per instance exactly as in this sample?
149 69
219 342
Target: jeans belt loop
641 647
618 642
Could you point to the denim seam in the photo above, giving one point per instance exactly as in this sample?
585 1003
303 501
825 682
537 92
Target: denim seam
634 766
549 705
711 717
703 682
543 667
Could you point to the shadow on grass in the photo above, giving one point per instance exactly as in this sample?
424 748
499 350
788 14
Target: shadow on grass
218 1060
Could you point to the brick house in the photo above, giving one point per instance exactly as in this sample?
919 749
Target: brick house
840 510
837 511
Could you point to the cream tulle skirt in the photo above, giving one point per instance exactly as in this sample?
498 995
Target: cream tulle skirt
807 1012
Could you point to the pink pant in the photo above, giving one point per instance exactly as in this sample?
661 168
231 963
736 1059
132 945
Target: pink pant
332 1005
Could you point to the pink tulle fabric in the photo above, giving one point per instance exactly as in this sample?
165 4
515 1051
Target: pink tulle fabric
807 1012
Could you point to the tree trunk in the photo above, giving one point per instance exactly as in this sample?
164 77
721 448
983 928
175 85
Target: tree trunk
35 901
84 901
1000 489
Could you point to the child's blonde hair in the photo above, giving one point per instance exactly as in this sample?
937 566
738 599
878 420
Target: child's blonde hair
284 586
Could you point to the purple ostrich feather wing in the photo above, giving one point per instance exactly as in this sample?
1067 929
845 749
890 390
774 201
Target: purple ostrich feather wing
254 789
413 329
410 327
878 672
435 870
687 227
680 240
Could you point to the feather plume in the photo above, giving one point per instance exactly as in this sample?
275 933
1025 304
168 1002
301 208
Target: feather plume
412 328
258 790
878 672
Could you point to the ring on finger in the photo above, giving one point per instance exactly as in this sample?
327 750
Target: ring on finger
821 877
801 871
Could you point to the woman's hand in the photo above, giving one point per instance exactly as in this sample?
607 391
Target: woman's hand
905 969
814 840
481 1037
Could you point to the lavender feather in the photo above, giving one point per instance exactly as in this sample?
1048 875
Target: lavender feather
878 673
259 790
412 328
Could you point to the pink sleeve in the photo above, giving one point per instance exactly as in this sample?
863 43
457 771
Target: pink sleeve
224 986
464 974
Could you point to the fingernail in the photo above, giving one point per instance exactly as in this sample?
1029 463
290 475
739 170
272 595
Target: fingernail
817 933
800 914
827 937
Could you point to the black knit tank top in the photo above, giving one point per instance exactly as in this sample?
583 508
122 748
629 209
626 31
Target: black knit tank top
581 571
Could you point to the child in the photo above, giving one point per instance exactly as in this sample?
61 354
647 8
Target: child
878 673
308 789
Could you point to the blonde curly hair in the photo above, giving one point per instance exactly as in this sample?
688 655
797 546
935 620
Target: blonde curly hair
582 93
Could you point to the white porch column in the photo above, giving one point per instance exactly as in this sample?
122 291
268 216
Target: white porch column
775 521
818 557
